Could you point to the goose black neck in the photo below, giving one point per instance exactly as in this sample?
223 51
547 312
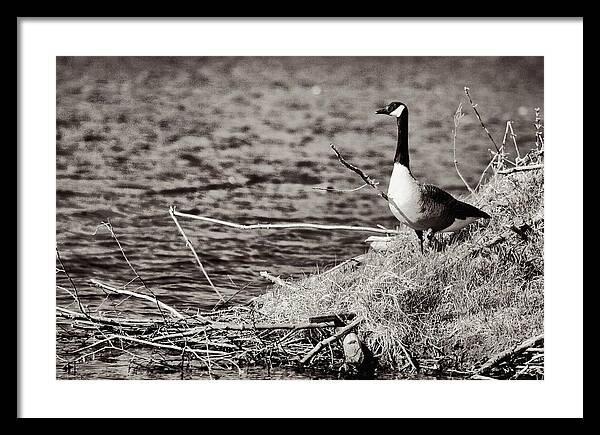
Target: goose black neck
402 147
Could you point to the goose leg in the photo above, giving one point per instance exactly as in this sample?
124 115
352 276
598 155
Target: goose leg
431 238
420 236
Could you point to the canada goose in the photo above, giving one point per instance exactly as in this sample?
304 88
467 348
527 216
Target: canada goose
422 206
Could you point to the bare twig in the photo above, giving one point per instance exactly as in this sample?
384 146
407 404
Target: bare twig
490 164
109 226
474 106
76 295
539 129
409 358
189 244
528 365
457 117
370 182
333 189
513 136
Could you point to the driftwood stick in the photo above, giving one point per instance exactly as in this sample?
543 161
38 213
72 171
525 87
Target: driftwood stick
69 314
269 326
521 168
504 355
189 244
172 310
298 226
329 340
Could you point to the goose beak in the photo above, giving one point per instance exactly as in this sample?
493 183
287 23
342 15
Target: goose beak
382 111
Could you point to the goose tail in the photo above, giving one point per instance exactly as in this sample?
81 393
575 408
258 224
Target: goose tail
464 210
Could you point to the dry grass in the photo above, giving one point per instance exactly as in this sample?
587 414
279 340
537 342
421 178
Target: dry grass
451 309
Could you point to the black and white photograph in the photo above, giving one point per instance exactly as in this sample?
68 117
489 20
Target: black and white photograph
289 217
300 217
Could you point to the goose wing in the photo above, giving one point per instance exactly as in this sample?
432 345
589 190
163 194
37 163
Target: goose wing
442 208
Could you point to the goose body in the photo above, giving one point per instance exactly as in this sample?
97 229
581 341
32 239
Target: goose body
420 206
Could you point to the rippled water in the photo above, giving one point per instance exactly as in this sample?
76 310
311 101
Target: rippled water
247 139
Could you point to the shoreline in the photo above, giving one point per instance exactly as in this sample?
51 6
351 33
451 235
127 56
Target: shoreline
447 311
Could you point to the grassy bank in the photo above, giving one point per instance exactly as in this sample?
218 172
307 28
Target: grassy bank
450 309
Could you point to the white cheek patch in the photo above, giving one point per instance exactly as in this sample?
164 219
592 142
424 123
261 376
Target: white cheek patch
398 111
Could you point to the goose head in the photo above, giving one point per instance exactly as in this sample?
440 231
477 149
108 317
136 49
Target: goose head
395 108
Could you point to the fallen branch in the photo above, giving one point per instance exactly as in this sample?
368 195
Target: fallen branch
521 168
69 314
298 226
147 343
172 310
224 326
269 326
329 340
189 244
506 354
